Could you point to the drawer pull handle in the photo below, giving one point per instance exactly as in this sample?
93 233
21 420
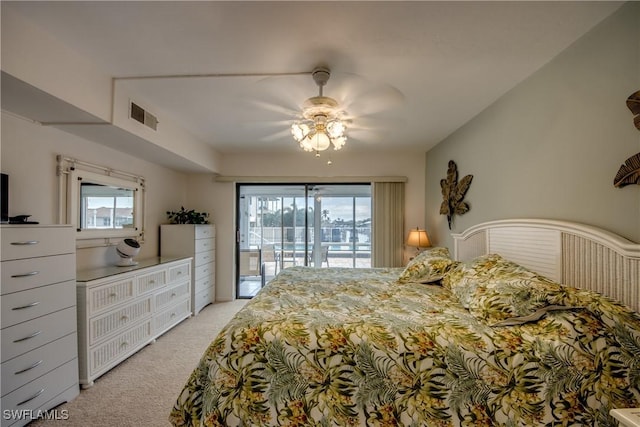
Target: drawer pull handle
124 344
31 273
173 315
22 371
113 295
33 335
124 317
22 307
31 398
173 295
26 243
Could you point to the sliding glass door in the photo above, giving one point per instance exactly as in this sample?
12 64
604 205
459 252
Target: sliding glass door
317 225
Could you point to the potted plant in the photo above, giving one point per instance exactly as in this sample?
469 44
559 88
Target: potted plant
184 216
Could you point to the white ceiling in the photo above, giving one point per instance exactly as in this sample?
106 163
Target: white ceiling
408 73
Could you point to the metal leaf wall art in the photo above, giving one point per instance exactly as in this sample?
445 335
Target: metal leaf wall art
453 193
629 172
633 103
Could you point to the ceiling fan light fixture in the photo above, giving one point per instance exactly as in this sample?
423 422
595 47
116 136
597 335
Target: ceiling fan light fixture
338 143
320 141
320 127
320 135
299 131
336 128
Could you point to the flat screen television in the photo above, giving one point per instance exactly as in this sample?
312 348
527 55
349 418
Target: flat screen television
4 198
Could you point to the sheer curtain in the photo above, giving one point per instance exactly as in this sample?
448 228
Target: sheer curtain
388 224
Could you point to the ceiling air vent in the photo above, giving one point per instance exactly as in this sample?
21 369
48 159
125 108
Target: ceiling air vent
139 114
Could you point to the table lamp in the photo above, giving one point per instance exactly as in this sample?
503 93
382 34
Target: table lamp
418 238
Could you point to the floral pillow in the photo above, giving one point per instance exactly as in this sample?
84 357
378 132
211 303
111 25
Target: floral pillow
494 289
427 267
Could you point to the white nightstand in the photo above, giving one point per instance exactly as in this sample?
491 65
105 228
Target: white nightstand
628 417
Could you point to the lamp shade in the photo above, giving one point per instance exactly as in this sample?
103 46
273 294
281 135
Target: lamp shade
418 238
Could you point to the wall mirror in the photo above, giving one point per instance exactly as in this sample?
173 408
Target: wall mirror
101 203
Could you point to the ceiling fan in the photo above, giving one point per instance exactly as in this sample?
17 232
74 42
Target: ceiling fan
321 125
321 121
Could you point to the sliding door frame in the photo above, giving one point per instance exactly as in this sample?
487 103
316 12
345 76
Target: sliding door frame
316 222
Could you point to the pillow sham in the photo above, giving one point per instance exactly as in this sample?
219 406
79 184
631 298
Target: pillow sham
427 267
494 289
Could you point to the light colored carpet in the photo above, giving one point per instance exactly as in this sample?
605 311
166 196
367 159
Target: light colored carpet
142 390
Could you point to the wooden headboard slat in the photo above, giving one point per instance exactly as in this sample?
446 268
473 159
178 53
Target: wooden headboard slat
575 254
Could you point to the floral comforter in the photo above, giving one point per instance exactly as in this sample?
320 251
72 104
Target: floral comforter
355 347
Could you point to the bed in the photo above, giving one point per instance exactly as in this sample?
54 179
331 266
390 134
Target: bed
480 337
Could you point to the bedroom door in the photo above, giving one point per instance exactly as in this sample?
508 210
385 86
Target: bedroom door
280 226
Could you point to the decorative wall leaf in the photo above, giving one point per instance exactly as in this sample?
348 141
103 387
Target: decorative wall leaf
462 188
446 189
633 102
629 173
462 208
453 192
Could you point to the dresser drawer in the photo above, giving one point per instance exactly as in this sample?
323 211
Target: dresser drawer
166 319
204 245
173 294
204 231
30 242
29 366
151 281
34 395
26 336
102 357
26 305
179 273
202 258
202 284
110 294
203 298
203 271
22 274
101 327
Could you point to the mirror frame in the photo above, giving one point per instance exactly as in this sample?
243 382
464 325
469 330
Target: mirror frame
76 173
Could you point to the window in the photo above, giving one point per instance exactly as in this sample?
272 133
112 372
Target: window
105 207
101 203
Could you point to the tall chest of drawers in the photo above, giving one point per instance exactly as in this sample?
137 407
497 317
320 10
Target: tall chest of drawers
197 241
122 309
39 330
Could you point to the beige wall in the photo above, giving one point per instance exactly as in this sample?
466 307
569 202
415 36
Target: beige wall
28 155
551 147
218 198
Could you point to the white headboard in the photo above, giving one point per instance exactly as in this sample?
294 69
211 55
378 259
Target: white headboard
575 254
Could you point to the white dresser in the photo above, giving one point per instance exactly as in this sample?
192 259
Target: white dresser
122 309
38 302
197 241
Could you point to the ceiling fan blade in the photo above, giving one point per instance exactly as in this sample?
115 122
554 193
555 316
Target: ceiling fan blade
373 123
359 96
287 91
276 108
277 136
365 136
